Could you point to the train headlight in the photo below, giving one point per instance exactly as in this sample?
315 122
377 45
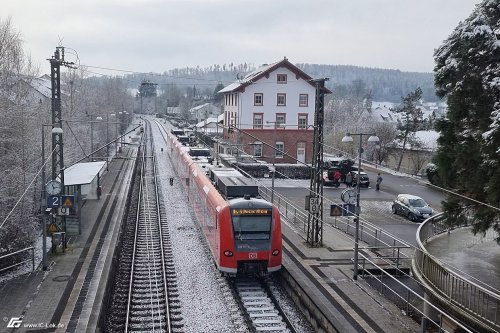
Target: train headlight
228 253
275 252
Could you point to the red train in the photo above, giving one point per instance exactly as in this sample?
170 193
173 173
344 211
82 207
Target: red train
242 231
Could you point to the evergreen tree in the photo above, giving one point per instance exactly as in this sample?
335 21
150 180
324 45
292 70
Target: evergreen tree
411 119
467 73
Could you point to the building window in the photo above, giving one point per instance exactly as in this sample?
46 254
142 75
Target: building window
302 121
257 149
280 148
281 100
257 120
303 99
280 119
258 99
281 78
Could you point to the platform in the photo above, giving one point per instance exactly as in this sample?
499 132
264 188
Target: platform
68 296
325 274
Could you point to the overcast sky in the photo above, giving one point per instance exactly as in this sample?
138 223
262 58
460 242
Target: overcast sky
157 35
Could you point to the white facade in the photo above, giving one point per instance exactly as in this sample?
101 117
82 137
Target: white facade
241 107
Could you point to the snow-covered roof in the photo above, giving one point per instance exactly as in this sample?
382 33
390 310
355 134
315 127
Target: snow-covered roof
428 139
42 85
260 72
199 107
82 173
383 113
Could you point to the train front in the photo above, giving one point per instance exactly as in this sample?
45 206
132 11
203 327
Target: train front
256 235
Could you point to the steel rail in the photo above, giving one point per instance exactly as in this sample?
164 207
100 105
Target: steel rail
131 278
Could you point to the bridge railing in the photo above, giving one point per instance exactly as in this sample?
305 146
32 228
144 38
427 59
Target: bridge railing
472 297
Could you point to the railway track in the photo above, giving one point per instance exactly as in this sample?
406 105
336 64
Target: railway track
145 295
261 309
255 298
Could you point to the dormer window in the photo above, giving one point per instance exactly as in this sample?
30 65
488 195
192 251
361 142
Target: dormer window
281 78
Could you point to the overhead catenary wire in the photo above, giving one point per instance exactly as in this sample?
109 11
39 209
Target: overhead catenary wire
28 187
387 261
218 81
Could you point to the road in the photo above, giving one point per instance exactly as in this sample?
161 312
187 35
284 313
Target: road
375 205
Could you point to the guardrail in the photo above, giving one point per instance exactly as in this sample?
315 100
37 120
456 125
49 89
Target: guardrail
32 249
471 298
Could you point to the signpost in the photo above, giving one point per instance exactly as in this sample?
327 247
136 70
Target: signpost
65 201
314 205
342 210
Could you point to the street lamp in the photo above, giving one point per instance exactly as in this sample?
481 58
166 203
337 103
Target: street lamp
97 119
273 169
372 139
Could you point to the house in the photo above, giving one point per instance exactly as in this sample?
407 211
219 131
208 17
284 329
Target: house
204 111
272 107
211 125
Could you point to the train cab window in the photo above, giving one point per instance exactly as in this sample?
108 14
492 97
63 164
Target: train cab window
248 227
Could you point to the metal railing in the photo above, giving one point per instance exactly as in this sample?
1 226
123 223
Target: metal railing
32 249
403 294
369 233
481 304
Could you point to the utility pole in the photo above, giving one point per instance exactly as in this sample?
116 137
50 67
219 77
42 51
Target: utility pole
57 135
315 217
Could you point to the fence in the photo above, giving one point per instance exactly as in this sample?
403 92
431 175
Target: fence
369 233
380 269
22 261
476 300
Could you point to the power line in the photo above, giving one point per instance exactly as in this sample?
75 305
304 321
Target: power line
27 188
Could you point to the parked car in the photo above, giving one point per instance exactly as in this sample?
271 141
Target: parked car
364 179
412 207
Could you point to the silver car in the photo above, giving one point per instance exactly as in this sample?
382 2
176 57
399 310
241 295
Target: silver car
412 207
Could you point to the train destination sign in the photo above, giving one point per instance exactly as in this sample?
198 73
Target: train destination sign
251 211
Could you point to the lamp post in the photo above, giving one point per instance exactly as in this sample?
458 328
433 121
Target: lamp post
119 120
111 115
273 169
348 138
44 203
97 119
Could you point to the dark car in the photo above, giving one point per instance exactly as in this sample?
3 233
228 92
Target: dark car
364 179
412 207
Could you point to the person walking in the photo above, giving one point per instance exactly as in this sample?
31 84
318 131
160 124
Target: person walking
379 180
336 178
348 179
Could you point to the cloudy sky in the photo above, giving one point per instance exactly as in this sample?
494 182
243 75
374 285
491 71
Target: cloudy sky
157 35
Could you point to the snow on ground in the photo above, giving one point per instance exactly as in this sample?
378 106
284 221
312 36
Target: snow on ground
27 267
204 307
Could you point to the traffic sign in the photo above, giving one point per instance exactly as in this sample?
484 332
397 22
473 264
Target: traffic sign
63 211
314 205
342 210
53 201
52 227
68 200
349 210
335 210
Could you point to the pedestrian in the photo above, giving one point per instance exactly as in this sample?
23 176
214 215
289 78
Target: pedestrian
336 177
379 180
348 179
99 191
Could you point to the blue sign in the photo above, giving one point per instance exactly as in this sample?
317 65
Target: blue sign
348 210
56 201
68 201
343 210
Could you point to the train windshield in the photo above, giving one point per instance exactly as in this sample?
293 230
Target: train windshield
256 227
